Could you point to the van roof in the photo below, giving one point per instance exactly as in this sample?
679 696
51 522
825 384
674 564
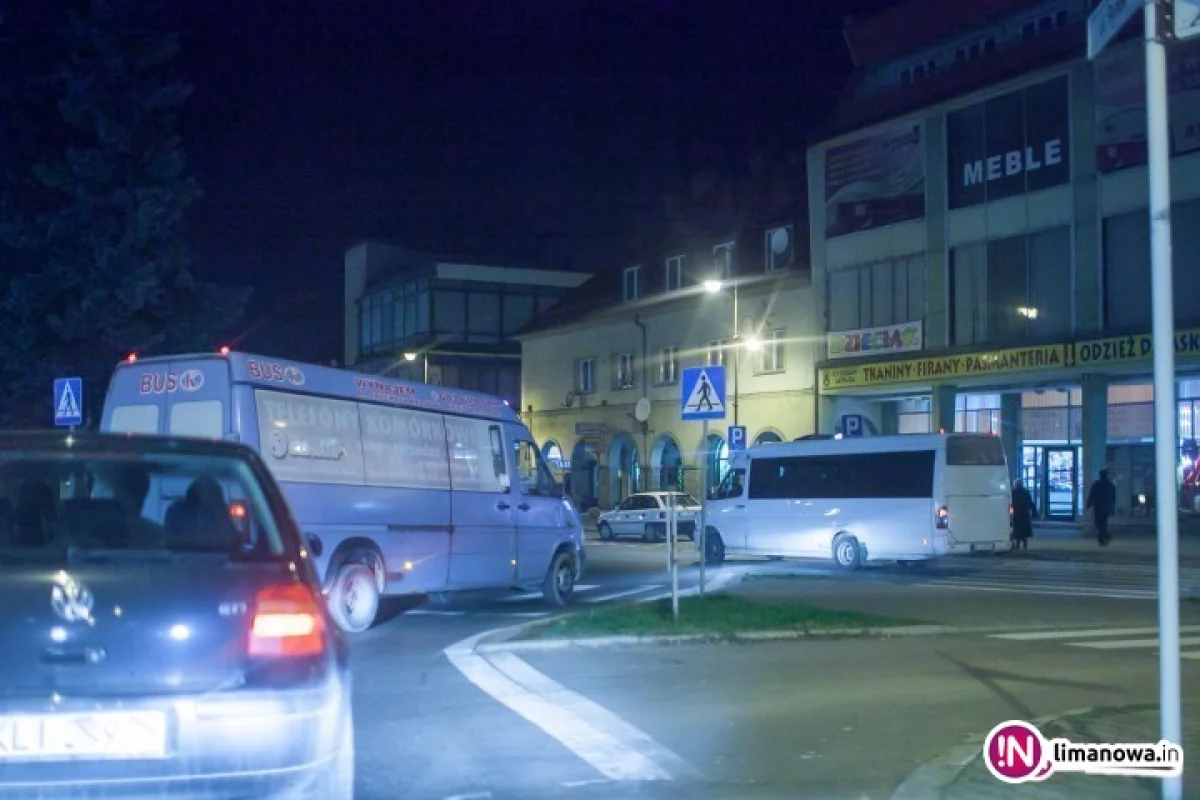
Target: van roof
860 444
313 379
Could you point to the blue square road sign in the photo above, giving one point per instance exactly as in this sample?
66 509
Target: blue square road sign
702 393
68 401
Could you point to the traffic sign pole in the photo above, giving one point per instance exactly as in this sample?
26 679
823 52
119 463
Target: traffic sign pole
704 505
1158 145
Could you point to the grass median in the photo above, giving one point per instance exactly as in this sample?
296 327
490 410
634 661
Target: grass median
713 614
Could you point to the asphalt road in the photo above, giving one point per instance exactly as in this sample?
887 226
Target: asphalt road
828 719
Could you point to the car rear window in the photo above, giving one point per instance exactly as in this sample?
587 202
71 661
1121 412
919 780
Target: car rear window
974 451
172 503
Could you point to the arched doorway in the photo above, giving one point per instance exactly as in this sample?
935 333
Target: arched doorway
768 437
624 471
666 461
716 458
585 475
553 454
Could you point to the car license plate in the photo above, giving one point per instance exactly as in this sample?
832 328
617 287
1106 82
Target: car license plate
107 734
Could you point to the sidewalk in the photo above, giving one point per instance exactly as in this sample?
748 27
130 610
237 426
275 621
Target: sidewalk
1130 724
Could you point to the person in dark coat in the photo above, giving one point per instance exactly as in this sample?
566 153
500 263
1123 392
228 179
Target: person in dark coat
1102 500
1022 511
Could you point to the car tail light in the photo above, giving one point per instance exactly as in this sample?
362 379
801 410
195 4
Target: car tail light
287 622
943 518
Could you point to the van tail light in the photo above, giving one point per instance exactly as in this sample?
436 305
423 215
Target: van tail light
943 518
287 623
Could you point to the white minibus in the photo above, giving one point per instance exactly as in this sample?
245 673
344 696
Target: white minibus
905 498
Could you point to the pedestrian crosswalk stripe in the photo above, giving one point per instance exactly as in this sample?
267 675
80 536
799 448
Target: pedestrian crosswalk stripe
1131 644
1030 636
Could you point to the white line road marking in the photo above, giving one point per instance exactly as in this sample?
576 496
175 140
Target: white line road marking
606 597
526 614
1091 634
475 796
613 747
577 784
1129 644
423 612
517 598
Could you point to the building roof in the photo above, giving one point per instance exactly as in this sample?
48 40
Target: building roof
910 26
854 112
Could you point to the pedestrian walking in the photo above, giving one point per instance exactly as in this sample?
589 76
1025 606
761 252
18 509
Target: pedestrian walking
1102 501
1022 515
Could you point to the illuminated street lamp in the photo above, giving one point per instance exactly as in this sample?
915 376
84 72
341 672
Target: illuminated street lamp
410 357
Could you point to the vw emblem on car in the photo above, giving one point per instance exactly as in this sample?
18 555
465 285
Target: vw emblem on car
71 600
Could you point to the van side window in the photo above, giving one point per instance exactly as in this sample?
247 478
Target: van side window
838 477
733 485
535 475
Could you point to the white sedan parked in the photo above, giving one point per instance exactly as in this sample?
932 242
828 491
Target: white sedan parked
645 515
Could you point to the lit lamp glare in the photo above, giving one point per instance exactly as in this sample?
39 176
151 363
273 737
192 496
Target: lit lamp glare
753 344
1028 313
410 356
712 286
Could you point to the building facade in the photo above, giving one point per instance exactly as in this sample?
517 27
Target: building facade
443 320
726 283
980 243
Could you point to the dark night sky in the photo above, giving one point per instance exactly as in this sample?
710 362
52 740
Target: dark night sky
468 124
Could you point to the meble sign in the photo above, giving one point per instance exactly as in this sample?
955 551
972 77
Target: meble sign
1014 162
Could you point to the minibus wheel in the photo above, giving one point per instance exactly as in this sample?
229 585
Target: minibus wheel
560 580
847 553
714 548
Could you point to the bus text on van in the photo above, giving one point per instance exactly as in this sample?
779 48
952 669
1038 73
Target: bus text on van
169 382
274 373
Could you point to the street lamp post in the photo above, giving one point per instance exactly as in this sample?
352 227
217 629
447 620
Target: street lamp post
410 357
715 286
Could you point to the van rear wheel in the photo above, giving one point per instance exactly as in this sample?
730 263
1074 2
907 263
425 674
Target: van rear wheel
714 548
354 598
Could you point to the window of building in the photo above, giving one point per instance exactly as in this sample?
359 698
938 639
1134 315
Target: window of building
585 375
1009 145
629 284
674 273
1126 274
623 371
1060 19
1028 30
668 365
770 357
871 295
960 56
989 46
906 76
716 352
974 50
1012 289
723 260
914 415
977 413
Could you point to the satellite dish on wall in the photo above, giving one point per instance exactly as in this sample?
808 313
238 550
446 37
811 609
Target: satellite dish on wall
641 412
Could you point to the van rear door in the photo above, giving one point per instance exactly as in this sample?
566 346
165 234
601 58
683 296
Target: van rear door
128 407
977 489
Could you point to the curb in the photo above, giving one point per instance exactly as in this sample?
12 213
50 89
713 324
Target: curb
501 641
935 775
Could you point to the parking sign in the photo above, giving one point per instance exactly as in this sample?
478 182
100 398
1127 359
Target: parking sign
737 438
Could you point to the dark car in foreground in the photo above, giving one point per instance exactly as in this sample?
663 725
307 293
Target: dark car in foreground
162 630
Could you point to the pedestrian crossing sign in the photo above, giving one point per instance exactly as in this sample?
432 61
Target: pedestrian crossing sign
68 401
702 394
